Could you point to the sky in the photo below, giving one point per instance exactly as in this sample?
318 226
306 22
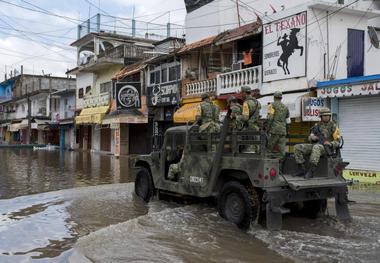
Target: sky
39 39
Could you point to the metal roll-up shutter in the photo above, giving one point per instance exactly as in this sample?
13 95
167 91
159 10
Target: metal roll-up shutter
359 122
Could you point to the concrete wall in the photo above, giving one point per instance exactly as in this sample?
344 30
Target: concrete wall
67 110
222 15
83 80
105 76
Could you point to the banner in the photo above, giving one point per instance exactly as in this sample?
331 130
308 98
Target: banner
128 95
284 48
311 108
163 94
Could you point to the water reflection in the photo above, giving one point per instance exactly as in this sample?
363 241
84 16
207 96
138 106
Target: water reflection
24 171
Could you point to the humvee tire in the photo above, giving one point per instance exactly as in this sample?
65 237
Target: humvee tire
144 184
238 204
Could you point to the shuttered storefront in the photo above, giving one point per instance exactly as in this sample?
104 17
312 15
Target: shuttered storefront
359 121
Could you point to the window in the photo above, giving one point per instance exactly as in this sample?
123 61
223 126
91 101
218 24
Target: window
164 75
88 89
174 73
80 93
155 77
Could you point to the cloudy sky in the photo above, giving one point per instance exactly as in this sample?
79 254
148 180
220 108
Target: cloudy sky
37 33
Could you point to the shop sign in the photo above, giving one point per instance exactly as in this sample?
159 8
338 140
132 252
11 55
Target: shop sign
311 108
128 95
117 142
362 176
371 88
163 94
284 48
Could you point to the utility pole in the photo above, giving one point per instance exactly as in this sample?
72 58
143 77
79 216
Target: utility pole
238 12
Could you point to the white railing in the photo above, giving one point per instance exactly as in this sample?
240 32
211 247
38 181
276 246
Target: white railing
232 82
199 87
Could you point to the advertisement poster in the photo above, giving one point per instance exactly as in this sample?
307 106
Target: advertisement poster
128 95
284 48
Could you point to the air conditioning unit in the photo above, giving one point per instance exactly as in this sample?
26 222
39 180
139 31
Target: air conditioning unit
237 66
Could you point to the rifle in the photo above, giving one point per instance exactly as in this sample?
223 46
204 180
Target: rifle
328 148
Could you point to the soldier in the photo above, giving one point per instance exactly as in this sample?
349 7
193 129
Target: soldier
250 115
207 116
236 113
329 132
277 115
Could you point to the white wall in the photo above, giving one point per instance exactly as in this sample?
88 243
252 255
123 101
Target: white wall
224 14
69 108
95 144
83 80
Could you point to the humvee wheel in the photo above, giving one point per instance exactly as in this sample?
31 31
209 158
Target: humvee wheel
144 185
314 208
238 204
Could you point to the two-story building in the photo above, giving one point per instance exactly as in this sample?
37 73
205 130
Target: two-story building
31 114
100 56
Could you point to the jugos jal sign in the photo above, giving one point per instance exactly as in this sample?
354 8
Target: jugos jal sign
371 88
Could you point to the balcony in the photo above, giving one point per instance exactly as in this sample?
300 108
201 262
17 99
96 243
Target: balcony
232 82
199 87
122 54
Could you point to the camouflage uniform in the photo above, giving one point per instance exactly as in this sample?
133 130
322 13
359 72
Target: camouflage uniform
331 133
250 116
208 115
277 115
236 113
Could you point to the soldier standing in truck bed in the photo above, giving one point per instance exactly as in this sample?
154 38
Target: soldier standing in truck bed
277 115
208 116
250 115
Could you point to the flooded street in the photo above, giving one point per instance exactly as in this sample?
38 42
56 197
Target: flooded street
107 223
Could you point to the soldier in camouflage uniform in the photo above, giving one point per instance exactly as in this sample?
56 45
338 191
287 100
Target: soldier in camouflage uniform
315 149
208 116
277 115
250 115
236 113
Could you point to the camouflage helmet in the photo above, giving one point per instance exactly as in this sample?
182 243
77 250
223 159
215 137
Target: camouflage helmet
325 112
277 95
246 89
205 96
231 99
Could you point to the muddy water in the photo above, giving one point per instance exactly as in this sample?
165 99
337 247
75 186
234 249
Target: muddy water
107 223
24 171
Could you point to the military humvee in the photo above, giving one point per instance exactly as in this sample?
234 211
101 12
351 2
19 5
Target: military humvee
247 186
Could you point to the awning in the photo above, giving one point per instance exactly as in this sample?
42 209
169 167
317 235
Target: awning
92 115
292 101
189 111
19 126
355 86
40 124
186 113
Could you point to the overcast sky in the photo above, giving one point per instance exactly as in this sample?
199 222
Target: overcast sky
42 42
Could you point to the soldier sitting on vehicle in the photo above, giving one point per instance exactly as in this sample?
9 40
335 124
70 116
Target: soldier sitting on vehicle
207 116
324 138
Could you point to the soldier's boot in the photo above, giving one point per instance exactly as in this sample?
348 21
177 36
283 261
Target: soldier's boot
310 172
301 169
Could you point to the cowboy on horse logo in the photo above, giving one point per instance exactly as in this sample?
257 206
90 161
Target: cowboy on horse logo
288 45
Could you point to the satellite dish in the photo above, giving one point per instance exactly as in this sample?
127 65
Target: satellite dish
373 36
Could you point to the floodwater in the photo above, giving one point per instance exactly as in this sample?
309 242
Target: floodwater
107 223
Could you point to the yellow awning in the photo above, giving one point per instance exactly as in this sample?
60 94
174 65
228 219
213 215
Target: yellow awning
92 115
189 111
186 113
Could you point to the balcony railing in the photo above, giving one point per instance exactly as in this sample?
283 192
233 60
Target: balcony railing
232 82
199 87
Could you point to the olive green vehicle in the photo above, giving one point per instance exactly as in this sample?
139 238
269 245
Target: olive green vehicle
248 187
